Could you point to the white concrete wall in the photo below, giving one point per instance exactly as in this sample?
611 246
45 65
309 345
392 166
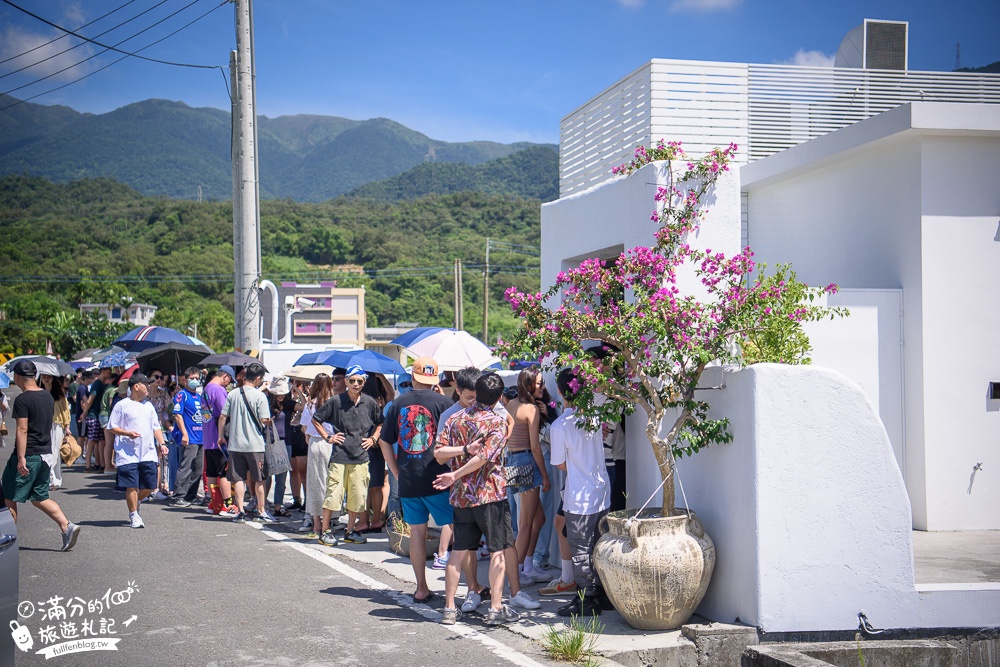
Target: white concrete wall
960 229
917 212
614 216
809 515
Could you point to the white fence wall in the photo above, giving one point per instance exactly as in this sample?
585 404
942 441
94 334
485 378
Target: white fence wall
763 108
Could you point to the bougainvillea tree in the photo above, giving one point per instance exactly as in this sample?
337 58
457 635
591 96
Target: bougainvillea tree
637 340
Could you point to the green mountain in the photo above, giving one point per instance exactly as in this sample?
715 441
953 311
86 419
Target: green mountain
531 173
169 149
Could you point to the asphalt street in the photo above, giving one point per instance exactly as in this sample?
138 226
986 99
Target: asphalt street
205 591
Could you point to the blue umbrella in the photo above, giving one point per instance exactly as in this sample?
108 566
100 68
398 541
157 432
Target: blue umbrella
371 362
143 338
411 337
4 381
117 359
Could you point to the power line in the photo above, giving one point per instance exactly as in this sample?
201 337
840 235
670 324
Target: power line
114 62
112 48
63 36
76 46
392 272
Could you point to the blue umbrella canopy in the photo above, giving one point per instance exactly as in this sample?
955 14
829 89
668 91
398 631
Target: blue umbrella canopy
144 338
114 360
371 362
411 337
4 381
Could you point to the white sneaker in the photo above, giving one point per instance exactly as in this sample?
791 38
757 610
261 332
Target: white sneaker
307 524
472 602
524 601
136 521
159 495
528 579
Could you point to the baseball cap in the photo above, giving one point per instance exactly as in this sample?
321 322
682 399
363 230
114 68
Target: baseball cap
425 370
228 370
25 368
139 378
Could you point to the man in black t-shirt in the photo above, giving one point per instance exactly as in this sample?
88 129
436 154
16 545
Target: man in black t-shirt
26 476
412 422
357 420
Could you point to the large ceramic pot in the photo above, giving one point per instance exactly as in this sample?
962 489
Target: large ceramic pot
655 569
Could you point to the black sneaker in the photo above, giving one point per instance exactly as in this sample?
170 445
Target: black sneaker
240 518
589 606
181 502
354 537
296 506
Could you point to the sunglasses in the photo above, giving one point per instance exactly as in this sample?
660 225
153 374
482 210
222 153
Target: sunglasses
356 381
338 378
156 377
405 385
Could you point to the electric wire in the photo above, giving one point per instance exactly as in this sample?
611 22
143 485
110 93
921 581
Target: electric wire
76 46
106 48
65 35
112 48
397 272
114 62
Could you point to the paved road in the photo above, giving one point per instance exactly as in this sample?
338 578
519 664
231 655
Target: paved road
210 592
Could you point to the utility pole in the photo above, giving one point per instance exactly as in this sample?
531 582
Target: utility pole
486 296
246 245
459 318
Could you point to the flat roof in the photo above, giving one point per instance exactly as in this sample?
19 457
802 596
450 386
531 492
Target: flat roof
923 118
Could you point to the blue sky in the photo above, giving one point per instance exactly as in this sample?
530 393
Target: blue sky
454 70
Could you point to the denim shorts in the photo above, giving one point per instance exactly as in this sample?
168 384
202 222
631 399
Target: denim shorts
524 458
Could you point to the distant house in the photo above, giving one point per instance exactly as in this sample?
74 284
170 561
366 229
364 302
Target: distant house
140 314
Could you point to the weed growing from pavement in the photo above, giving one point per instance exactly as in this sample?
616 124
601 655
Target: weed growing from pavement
575 642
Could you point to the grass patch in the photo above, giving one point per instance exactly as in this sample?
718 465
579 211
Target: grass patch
574 643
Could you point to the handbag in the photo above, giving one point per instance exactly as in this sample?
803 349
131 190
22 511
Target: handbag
520 475
275 456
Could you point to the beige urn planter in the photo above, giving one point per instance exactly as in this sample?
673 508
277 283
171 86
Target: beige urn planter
655 569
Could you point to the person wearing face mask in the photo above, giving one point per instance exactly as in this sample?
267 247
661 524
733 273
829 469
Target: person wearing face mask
188 418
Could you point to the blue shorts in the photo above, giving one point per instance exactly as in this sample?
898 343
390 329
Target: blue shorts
416 510
141 475
523 458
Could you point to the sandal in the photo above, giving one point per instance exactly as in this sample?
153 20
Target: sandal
280 511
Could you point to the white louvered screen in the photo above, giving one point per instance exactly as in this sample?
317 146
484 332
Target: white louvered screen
763 108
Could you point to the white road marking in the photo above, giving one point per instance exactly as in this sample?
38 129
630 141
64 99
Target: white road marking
498 648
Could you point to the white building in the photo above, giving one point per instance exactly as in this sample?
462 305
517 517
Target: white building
139 314
879 181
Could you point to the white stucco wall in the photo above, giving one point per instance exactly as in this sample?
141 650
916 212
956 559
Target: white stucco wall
614 216
808 512
908 201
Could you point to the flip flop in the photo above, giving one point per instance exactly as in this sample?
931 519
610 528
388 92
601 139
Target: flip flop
430 596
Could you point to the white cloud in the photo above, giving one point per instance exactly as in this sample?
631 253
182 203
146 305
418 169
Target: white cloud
810 59
703 5
16 40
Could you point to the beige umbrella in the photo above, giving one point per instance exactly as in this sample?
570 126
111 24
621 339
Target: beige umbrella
307 373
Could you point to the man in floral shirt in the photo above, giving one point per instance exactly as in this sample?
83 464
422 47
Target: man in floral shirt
474 442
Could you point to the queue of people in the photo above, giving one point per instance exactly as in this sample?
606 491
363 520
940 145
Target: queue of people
471 454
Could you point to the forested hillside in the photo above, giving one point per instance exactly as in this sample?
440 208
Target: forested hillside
167 148
98 240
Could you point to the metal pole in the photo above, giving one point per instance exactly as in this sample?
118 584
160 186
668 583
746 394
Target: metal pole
247 336
486 296
237 215
461 298
454 272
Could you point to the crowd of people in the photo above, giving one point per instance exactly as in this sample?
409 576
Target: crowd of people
351 450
